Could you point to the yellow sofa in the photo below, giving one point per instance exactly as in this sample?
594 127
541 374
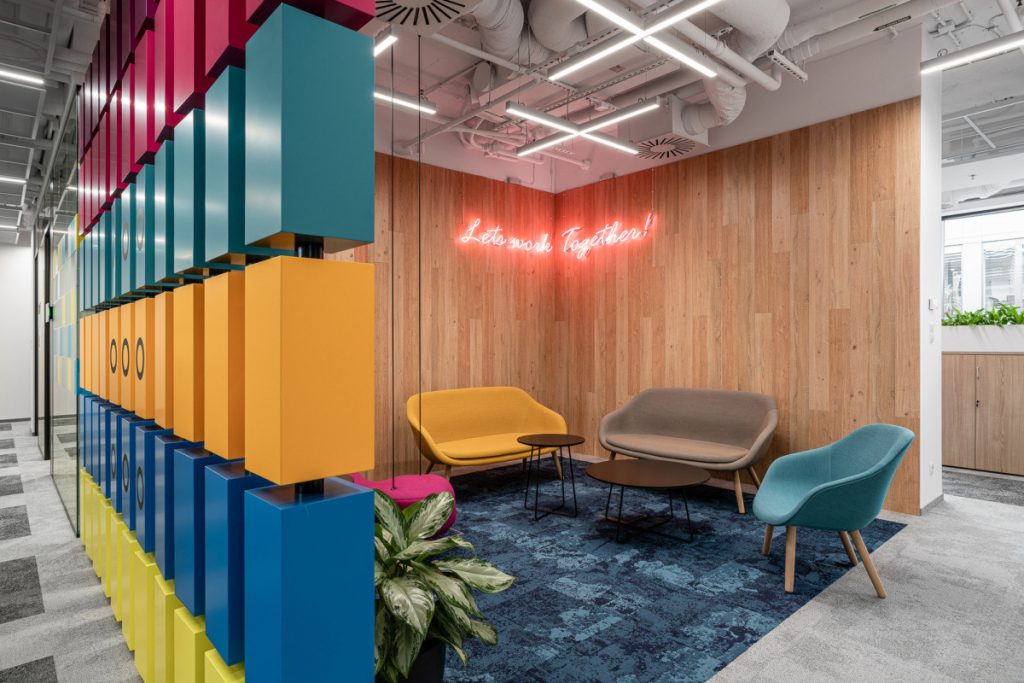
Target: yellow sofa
477 426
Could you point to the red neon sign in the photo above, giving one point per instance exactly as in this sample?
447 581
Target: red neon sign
574 241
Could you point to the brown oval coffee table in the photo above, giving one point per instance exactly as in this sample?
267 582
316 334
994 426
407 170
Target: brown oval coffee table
537 443
658 475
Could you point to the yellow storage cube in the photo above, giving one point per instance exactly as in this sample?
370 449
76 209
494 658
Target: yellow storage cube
162 359
109 558
188 362
143 572
308 371
190 644
116 572
219 672
125 357
129 546
112 356
102 536
141 348
165 604
224 363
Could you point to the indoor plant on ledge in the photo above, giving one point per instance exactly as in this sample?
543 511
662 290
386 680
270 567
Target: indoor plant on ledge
999 329
423 601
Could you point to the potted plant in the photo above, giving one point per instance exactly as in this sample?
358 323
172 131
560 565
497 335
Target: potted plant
999 329
424 598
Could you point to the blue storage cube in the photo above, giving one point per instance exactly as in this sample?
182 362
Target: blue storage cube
226 485
163 499
145 472
190 526
309 584
126 467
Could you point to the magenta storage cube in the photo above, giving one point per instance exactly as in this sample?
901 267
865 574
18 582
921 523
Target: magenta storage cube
142 12
164 118
353 14
125 39
226 34
188 34
144 93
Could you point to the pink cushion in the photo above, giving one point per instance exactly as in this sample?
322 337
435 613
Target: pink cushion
412 488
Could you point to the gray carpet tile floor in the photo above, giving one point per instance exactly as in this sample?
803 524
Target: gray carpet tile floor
10 484
984 486
8 459
14 522
40 671
7 444
70 635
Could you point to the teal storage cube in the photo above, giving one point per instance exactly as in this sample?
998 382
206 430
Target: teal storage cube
144 219
96 267
163 213
225 173
189 193
124 217
308 139
103 232
85 261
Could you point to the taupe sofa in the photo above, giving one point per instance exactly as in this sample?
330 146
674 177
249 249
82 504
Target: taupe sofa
727 431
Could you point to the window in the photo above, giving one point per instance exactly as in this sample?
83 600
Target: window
952 280
1004 275
983 264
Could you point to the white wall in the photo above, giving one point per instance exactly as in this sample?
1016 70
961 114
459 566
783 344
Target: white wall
16 322
931 283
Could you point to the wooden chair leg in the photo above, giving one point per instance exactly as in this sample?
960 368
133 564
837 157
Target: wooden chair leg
430 466
753 476
612 456
447 471
766 549
845 538
558 463
790 557
868 563
739 492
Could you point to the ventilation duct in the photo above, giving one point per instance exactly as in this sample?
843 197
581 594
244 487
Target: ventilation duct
423 17
502 32
662 135
557 24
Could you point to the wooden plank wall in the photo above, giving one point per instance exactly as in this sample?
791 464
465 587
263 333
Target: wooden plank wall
787 266
485 311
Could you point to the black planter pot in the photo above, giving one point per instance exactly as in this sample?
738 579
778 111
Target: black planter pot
428 666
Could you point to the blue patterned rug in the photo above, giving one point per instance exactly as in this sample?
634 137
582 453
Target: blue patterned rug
585 608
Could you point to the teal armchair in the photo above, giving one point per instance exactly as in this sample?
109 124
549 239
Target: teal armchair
839 487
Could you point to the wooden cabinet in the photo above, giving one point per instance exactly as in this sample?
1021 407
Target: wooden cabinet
983 412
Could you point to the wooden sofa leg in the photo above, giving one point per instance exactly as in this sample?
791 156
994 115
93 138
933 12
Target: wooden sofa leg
612 456
790 557
845 538
753 476
447 471
739 492
558 463
876 581
766 549
430 466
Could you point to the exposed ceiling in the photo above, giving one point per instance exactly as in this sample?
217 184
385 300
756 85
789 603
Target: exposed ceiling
856 54
45 46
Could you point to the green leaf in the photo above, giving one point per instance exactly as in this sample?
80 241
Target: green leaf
479 574
457 646
379 573
483 632
390 517
381 549
454 620
432 513
381 641
407 646
422 549
408 600
450 590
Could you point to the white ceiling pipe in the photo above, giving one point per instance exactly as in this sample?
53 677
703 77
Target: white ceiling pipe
557 24
501 26
1012 19
875 25
794 35
723 52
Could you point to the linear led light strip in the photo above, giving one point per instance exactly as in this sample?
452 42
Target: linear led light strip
602 122
639 33
24 78
384 42
11 179
973 54
589 132
408 103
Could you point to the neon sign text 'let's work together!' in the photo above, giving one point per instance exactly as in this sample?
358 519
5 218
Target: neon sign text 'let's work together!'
574 241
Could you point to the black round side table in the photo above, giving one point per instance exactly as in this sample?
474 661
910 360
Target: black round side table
537 443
